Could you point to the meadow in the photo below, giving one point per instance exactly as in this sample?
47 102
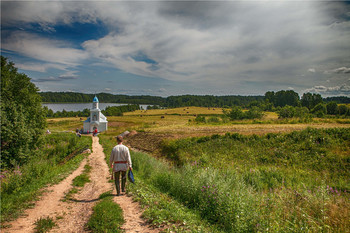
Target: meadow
242 176
302 187
267 175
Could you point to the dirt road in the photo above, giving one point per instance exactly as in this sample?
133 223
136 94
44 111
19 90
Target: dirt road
72 216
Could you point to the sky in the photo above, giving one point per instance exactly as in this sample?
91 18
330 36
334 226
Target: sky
164 48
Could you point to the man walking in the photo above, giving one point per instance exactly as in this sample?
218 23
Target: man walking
120 160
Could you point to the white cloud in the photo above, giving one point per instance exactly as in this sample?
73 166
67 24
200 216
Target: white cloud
343 89
234 44
343 70
46 50
39 67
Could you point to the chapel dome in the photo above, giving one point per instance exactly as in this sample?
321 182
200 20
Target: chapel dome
95 100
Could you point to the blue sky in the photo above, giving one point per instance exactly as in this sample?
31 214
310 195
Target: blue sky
165 48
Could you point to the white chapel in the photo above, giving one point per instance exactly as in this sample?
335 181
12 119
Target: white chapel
96 120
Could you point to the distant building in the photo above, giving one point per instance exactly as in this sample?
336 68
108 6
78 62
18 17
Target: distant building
96 120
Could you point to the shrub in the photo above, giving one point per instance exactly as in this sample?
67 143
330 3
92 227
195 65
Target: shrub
319 110
200 119
332 108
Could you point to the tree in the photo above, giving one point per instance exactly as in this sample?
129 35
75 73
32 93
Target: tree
22 116
310 100
343 109
332 108
254 113
283 98
236 113
286 112
319 110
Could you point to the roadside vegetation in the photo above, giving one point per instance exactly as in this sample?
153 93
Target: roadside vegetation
277 182
107 216
44 225
78 182
58 156
160 209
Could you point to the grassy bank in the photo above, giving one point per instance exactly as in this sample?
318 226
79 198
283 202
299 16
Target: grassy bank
58 157
302 158
296 182
160 209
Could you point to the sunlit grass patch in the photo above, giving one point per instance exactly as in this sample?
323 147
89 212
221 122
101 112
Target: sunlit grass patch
107 216
44 225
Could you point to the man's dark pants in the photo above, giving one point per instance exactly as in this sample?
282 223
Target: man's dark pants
117 182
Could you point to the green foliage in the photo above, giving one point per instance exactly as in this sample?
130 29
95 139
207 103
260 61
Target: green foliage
344 110
236 113
44 225
254 113
149 107
320 110
249 183
332 108
22 117
20 186
309 152
290 112
84 178
310 100
107 216
338 99
283 98
119 110
73 97
200 119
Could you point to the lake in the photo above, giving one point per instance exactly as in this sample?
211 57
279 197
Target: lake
81 106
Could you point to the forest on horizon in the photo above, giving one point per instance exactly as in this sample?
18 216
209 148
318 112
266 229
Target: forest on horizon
179 101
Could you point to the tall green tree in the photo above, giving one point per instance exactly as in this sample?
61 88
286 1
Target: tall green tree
310 100
332 108
22 115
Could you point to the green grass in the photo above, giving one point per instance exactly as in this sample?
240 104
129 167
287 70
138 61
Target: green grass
160 209
78 181
44 225
296 182
20 187
107 216
300 158
84 178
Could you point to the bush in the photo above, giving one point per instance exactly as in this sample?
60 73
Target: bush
200 119
320 110
254 113
332 108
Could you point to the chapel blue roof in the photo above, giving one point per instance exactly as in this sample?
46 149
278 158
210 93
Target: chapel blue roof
95 100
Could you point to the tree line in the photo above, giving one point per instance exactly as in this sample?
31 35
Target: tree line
109 111
267 102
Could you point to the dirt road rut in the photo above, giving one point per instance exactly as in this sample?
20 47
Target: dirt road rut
72 216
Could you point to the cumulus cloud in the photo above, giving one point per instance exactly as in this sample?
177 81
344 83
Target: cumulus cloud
212 44
39 67
343 89
43 49
342 70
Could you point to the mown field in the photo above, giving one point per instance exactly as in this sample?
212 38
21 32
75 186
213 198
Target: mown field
269 175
